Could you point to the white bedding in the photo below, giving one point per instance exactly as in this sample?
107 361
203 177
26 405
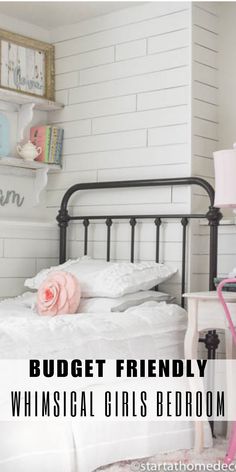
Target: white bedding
151 330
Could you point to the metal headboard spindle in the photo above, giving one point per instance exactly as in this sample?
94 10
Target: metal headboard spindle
213 215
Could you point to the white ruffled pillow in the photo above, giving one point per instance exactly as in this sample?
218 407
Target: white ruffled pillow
110 279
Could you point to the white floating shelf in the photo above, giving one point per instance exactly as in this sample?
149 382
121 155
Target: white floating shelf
18 98
20 163
41 170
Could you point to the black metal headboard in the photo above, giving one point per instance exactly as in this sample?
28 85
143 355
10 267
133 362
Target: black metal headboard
212 214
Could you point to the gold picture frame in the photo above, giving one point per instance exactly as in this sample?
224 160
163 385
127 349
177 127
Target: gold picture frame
27 65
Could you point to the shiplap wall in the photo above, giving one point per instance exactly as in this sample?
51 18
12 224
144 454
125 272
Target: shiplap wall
125 80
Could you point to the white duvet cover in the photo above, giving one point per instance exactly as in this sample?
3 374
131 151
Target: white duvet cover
152 330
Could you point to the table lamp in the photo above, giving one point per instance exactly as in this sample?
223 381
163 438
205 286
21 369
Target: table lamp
225 183
225 178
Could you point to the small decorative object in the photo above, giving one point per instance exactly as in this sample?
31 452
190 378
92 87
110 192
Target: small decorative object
27 65
59 294
4 135
28 151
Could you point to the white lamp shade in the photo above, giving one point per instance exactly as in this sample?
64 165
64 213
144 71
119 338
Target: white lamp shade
225 178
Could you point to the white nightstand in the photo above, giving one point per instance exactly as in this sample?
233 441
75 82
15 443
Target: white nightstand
205 312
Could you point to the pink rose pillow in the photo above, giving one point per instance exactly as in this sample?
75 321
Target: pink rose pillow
59 294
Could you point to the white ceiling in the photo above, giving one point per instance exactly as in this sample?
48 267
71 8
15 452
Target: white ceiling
50 15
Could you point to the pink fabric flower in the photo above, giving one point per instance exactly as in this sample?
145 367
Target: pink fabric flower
59 294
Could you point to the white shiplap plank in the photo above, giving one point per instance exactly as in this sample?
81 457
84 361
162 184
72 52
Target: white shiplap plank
163 98
109 106
76 128
10 267
205 56
205 93
168 135
160 155
130 50
150 172
85 60
131 32
205 19
168 41
119 18
111 141
205 74
147 82
143 119
205 128
205 38
65 81
29 248
203 146
205 110
203 167
67 179
137 66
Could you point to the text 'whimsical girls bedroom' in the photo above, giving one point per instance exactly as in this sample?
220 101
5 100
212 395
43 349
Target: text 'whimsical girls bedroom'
117 236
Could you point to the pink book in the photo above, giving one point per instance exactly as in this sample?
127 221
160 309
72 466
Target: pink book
40 136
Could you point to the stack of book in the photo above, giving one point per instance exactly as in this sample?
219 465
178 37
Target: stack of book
50 139
231 287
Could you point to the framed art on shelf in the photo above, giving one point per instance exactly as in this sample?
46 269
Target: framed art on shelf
27 65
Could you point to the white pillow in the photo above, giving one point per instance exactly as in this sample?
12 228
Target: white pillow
120 304
109 279
83 265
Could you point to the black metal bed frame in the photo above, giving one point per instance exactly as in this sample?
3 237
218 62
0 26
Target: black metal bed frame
213 216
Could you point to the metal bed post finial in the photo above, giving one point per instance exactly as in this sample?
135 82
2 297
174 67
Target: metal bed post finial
213 216
63 220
